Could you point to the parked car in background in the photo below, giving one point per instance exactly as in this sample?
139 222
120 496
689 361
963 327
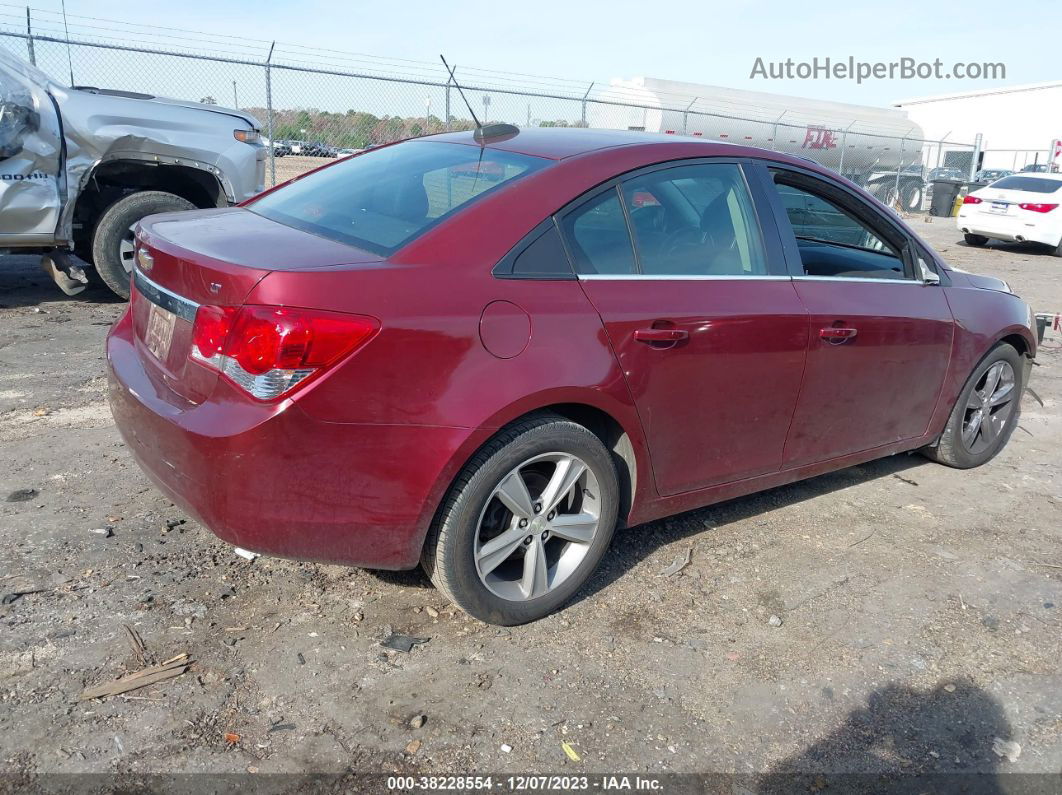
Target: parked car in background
987 176
317 149
635 326
79 167
281 149
1040 168
1019 208
347 152
947 172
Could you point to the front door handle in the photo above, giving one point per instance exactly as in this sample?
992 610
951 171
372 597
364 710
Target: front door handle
835 336
661 336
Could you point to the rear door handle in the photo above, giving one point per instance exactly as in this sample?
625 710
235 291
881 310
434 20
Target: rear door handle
661 336
836 335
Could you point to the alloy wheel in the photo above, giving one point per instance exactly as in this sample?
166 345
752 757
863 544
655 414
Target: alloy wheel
127 248
989 407
537 526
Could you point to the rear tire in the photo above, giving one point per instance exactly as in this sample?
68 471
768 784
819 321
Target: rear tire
975 240
477 553
111 249
964 446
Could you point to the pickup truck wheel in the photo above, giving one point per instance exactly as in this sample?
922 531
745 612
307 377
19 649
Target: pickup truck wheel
112 241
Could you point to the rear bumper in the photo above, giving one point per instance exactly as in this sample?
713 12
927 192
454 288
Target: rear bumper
275 480
1003 227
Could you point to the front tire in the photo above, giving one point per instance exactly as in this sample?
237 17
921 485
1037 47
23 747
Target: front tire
975 240
112 240
526 522
986 412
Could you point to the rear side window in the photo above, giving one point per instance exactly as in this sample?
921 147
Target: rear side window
383 199
1029 184
544 257
598 238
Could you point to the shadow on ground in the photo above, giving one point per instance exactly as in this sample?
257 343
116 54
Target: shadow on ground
24 284
632 545
906 740
1038 249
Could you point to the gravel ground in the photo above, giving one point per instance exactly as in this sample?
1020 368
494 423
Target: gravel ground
920 612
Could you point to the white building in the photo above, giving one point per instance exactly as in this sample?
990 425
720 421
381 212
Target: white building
1017 123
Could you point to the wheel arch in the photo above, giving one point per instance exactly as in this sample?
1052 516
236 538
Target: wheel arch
615 424
110 180
1023 344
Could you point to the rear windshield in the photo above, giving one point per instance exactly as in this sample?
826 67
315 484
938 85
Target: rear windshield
1030 184
384 198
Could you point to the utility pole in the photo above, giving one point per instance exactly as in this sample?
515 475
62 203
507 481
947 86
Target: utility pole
235 100
582 105
269 115
69 57
29 38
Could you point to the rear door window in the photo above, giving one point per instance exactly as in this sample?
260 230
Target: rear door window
701 222
383 199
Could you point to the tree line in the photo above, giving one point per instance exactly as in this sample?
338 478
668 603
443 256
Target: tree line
358 130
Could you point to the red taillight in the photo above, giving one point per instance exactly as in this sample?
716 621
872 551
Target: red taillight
268 350
972 200
211 328
1036 207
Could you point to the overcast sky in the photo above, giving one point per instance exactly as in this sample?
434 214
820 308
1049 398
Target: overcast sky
701 42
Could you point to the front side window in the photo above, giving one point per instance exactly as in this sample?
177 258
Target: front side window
700 221
833 241
382 199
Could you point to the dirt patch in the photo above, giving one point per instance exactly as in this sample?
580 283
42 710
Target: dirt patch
919 607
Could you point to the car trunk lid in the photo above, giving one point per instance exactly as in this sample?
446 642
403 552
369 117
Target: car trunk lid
210 257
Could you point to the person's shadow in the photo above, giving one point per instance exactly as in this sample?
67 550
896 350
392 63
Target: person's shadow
905 740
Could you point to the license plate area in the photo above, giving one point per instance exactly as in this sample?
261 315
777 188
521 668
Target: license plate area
1000 208
158 336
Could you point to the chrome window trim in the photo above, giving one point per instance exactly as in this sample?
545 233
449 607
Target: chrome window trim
904 280
163 298
649 277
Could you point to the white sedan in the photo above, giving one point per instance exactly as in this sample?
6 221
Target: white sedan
1021 207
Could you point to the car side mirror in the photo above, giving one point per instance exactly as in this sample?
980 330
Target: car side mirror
929 276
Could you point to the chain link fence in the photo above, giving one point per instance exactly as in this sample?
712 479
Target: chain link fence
316 109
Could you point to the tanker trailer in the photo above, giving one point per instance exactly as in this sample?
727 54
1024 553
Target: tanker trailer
879 149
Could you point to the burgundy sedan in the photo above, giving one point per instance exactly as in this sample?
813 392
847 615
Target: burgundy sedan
483 353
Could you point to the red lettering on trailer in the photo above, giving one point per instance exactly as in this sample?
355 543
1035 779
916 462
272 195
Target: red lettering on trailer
819 138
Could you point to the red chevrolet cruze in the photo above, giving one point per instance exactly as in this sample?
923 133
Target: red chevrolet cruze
483 352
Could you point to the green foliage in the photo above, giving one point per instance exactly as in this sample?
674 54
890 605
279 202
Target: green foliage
354 129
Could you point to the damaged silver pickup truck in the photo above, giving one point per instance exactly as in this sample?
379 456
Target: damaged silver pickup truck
79 167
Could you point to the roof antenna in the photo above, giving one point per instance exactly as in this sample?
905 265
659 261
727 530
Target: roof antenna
482 133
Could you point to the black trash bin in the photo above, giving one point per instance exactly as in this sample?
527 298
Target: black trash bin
944 193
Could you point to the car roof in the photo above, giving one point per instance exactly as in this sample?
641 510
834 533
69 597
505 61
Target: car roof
558 143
